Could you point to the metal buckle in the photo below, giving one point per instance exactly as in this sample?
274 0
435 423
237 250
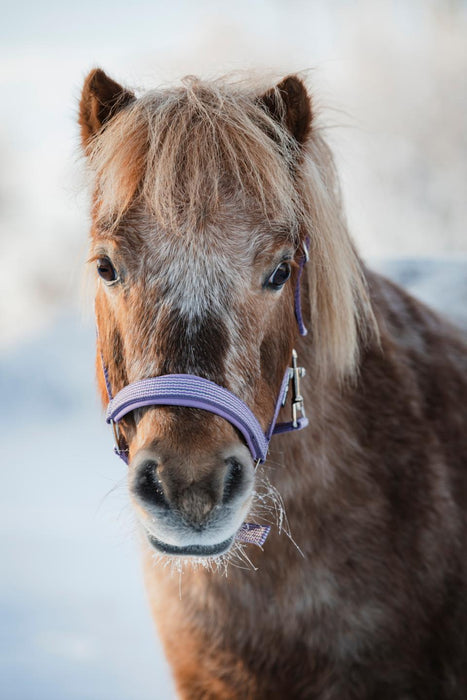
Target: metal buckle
298 406
296 373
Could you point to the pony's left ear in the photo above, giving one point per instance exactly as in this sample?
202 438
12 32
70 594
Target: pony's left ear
289 104
101 99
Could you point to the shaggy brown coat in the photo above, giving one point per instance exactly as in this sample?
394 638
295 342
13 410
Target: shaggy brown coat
372 603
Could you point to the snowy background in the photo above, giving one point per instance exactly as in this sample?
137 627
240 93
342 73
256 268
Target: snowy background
390 79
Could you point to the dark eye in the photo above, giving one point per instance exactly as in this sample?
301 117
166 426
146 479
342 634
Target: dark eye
106 270
280 276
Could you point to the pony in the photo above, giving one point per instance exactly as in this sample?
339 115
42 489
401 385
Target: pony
205 196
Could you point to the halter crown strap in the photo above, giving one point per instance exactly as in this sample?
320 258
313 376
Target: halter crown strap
297 297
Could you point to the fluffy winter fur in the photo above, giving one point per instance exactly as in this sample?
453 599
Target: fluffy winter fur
199 191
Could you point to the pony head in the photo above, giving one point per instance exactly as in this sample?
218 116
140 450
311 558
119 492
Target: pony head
203 197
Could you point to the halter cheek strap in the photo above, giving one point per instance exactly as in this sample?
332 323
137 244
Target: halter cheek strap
197 392
297 296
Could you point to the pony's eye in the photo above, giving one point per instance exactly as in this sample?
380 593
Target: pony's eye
106 270
280 276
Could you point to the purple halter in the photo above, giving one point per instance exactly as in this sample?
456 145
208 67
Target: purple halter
197 392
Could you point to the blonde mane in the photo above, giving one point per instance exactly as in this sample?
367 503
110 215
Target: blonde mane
180 153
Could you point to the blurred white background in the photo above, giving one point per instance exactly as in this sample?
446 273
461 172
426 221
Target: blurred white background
390 79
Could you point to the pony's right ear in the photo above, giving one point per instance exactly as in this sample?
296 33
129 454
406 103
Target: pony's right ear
101 99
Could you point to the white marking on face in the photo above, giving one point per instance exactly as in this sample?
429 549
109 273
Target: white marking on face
209 275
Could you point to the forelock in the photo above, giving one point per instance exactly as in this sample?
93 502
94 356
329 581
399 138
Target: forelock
182 153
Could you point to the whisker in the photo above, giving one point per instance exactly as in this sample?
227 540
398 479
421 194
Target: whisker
119 484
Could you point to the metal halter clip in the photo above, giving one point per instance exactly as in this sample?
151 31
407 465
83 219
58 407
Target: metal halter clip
296 372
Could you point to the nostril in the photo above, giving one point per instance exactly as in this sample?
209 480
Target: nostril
233 479
147 485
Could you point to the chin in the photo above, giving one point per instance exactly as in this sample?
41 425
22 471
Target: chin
195 551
